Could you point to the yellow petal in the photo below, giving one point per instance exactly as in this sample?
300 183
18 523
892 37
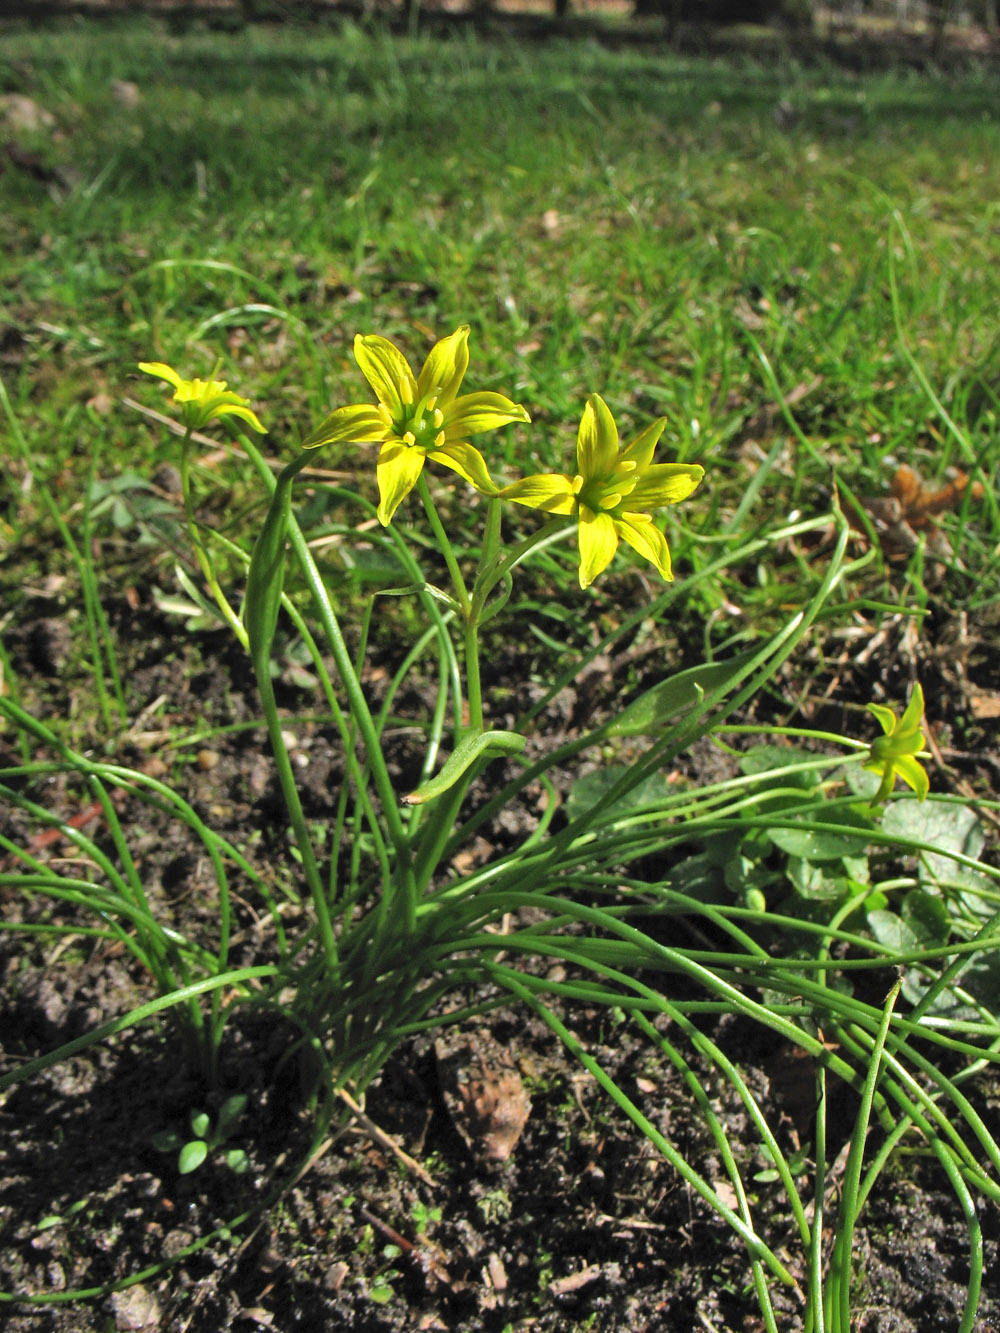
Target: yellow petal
445 367
359 424
665 484
886 717
237 409
598 544
475 412
398 469
386 370
913 774
640 451
597 441
644 536
914 714
469 463
162 372
549 491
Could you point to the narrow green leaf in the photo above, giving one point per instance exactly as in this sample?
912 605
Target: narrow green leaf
678 694
463 757
266 576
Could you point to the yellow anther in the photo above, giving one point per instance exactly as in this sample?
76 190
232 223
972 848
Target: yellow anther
409 439
405 392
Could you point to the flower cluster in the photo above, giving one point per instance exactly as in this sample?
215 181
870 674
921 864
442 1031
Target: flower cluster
422 418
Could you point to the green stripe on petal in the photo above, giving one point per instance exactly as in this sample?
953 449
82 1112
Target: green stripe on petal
644 536
386 370
549 491
359 424
397 471
445 367
597 441
598 544
475 412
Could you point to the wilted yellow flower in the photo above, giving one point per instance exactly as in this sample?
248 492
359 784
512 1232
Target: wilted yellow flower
612 491
202 401
416 418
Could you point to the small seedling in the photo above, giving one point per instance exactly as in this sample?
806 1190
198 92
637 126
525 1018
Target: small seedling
191 1153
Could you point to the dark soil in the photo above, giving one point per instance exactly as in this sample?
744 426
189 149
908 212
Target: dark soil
582 1227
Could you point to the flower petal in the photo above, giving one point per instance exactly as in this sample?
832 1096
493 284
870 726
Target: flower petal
914 715
236 409
476 412
598 544
913 774
549 491
468 462
398 468
886 717
386 370
597 441
445 367
644 536
162 372
641 450
665 484
359 424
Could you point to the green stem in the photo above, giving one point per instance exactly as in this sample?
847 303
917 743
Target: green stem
497 564
260 611
458 583
473 681
201 551
357 703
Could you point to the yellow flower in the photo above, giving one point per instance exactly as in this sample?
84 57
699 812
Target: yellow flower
612 491
892 755
418 418
202 401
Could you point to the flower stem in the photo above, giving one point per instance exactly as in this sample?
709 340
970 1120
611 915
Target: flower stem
458 583
204 562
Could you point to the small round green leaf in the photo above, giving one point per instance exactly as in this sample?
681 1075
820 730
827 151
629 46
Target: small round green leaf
191 1156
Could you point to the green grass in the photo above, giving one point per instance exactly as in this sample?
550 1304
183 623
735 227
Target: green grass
606 221
637 225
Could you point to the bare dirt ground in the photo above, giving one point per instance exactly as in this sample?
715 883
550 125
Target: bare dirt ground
582 1227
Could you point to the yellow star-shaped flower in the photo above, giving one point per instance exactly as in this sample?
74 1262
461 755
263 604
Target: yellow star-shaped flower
612 492
893 754
202 401
418 418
